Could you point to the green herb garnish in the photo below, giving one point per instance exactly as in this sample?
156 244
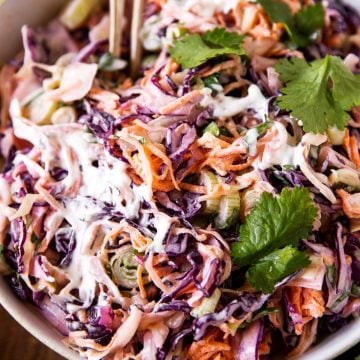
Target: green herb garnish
300 27
193 50
328 91
270 235
271 269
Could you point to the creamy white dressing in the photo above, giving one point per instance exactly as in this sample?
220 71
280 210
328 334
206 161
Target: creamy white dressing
162 224
106 183
149 33
277 151
227 106
205 8
251 139
285 155
95 179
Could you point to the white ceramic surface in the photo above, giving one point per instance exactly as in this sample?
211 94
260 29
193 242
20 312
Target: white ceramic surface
14 13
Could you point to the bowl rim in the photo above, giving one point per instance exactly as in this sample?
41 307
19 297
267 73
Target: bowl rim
30 318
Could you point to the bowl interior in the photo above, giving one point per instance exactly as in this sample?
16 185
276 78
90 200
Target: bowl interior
14 14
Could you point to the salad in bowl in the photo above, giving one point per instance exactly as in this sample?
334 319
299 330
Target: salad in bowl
206 208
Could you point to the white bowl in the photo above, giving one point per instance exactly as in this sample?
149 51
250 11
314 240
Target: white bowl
13 14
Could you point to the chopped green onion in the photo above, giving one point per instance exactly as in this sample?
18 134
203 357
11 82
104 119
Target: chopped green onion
208 305
212 82
355 290
212 128
228 210
64 115
345 176
124 268
41 109
335 135
108 63
331 274
76 12
265 312
105 61
209 180
342 297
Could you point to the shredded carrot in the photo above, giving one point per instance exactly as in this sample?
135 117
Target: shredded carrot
159 3
164 186
136 129
308 303
351 147
355 112
220 19
193 188
148 162
223 165
7 87
347 142
212 346
232 128
188 289
156 279
156 151
197 156
128 83
355 151
180 102
135 178
235 85
350 203
140 281
210 141
138 241
222 66
313 303
218 190
146 78
48 197
171 67
264 346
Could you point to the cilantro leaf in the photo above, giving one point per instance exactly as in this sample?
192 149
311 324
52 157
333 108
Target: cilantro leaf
328 90
275 222
310 19
224 39
193 49
299 27
346 85
273 268
278 12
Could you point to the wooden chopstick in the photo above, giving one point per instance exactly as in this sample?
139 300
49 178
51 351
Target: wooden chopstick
135 43
117 8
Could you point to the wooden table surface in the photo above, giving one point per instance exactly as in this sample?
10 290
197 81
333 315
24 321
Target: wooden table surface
17 344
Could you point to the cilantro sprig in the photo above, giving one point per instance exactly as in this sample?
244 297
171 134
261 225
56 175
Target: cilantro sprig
269 237
271 269
301 26
319 93
193 50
